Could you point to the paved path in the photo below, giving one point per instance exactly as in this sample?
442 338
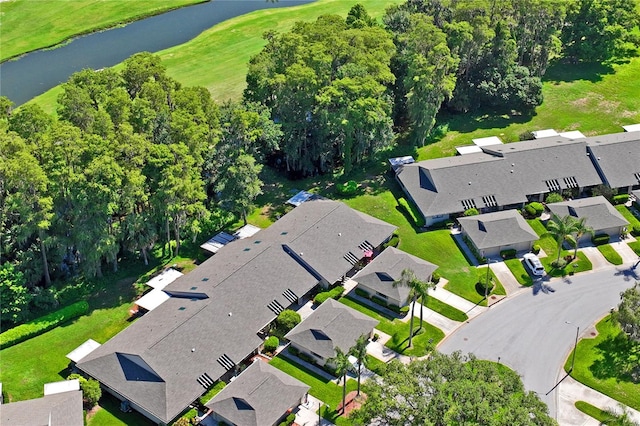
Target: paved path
378 350
529 332
571 390
506 278
461 244
628 255
596 258
456 301
432 317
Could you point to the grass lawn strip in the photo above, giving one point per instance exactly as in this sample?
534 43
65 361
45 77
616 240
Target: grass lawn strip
31 25
326 391
108 413
610 254
399 331
593 411
599 363
446 310
624 211
519 272
635 246
583 264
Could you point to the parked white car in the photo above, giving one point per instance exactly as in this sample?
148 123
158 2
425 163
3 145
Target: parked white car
534 264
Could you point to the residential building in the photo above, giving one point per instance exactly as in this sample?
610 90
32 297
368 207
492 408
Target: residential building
599 213
617 159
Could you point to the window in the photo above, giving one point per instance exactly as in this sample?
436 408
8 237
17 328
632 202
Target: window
384 296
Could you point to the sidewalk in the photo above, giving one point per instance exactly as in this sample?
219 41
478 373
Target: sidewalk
378 350
571 390
628 255
432 317
472 310
596 258
506 278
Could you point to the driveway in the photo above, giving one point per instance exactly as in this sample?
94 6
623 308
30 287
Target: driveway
528 332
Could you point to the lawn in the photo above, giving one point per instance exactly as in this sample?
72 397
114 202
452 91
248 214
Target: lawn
217 59
593 411
326 391
581 264
519 271
624 211
610 254
423 340
635 246
23 374
109 414
603 362
446 310
30 25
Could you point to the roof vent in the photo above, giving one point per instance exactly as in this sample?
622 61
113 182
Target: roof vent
226 362
181 308
275 307
351 258
246 249
194 288
290 295
205 279
205 381
230 313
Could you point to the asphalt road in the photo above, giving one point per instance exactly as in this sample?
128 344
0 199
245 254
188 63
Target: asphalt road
528 332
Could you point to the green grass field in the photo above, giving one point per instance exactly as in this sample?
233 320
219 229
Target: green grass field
624 211
30 25
519 271
602 363
593 411
446 310
635 246
610 254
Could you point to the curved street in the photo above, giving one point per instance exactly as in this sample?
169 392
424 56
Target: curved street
529 332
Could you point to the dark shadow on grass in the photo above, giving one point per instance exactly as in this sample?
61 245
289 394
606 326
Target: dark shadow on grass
564 72
483 119
619 359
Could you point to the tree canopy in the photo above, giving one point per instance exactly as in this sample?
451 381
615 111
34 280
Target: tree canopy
450 389
628 314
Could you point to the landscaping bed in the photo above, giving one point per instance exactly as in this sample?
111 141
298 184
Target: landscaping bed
584 264
519 272
610 254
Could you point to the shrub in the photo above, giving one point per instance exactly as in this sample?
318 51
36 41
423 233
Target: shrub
560 264
271 344
508 253
334 293
288 319
306 357
635 231
539 208
393 241
600 239
483 286
471 212
91 392
410 211
378 300
376 337
43 324
360 292
399 310
289 420
620 199
435 278
347 188
554 197
293 350
45 298
535 249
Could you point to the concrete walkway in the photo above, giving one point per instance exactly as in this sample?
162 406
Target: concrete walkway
317 370
378 350
456 301
628 255
597 259
571 390
506 278
462 245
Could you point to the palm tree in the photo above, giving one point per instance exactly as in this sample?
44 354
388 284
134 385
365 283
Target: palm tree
581 228
622 418
359 351
342 366
418 289
562 229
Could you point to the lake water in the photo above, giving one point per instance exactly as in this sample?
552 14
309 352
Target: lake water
39 71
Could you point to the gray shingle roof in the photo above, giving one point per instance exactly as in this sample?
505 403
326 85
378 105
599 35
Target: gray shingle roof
502 174
332 325
618 157
63 409
217 309
599 212
387 267
259 396
497 229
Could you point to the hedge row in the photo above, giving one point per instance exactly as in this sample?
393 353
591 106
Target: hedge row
508 253
43 324
381 302
334 293
600 239
534 209
620 199
416 217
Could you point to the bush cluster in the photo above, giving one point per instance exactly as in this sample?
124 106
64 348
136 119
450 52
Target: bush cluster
635 231
288 319
471 212
393 241
43 324
535 249
600 239
271 344
91 392
334 293
360 292
347 188
620 199
508 253
288 421
379 301
554 197
409 210
435 278
534 209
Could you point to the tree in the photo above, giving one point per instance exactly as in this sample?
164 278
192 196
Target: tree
342 366
241 184
620 417
416 288
359 351
447 390
288 319
562 229
600 30
581 229
358 17
91 391
421 289
14 295
628 314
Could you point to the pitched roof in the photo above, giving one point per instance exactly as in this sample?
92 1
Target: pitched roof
332 325
60 409
387 267
211 321
617 156
500 175
260 395
497 229
599 212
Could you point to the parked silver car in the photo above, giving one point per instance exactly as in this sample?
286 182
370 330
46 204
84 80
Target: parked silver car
534 264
